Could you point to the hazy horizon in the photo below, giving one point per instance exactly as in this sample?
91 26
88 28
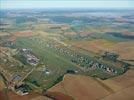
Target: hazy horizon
69 4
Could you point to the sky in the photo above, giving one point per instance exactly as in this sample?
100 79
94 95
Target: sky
115 4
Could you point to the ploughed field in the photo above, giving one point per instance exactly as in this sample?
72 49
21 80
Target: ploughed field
124 49
88 88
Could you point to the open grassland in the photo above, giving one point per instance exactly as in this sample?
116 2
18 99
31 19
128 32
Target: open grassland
57 65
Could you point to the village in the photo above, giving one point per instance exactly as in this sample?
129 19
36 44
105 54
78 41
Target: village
88 63
84 62
14 79
17 84
31 58
78 53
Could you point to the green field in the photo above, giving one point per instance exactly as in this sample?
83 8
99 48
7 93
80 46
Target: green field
55 62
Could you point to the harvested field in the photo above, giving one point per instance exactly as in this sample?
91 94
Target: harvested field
123 86
2 85
4 34
2 95
81 88
127 33
86 33
124 94
124 80
21 34
87 88
96 46
59 96
65 27
31 96
121 82
70 33
124 49
40 98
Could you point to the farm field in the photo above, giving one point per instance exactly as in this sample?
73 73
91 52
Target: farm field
2 85
99 46
31 96
80 87
125 84
67 55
